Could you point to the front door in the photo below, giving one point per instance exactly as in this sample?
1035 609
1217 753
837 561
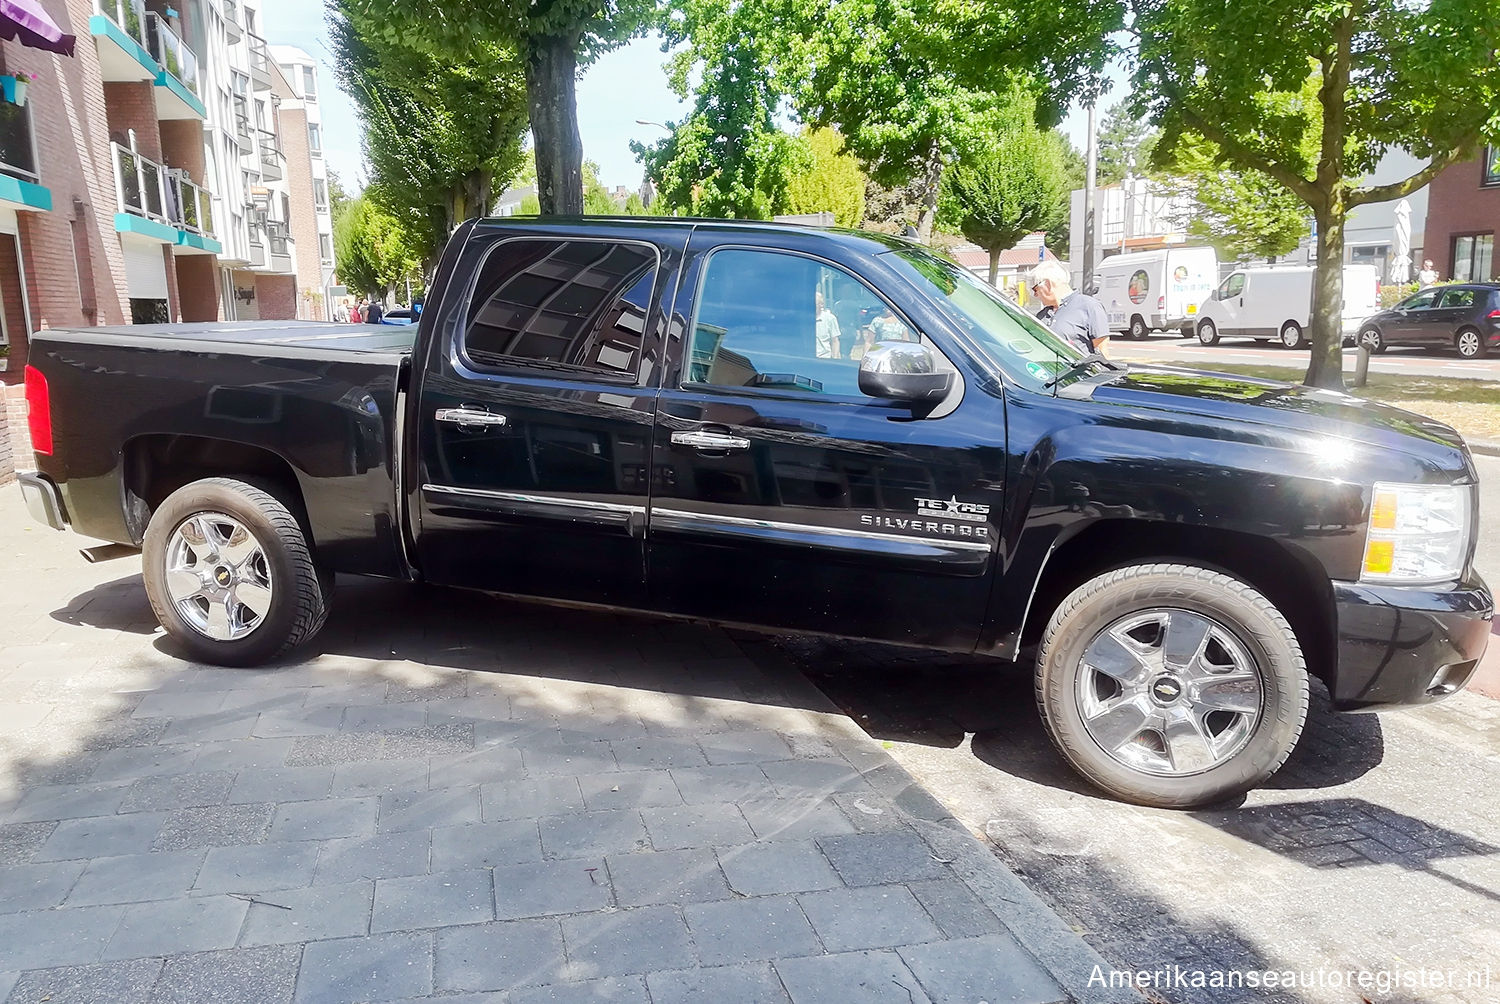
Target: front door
1231 297
535 416
784 497
1414 313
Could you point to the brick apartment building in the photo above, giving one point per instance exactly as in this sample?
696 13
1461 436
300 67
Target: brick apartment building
146 178
1463 216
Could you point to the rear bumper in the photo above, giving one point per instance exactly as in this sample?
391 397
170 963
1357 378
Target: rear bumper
1399 645
43 500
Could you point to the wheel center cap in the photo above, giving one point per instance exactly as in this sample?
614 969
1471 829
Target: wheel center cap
1166 689
223 576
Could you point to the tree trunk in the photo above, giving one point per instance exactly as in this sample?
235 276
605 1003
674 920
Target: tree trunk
1326 368
551 72
995 265
931 181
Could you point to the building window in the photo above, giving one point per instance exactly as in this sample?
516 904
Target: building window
320 195
1491 174
241 83
314 139
309 84
325 246
1473 257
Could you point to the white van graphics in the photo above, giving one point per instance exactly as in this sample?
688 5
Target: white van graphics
1146 291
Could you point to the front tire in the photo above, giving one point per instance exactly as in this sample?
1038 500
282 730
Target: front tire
1207 333
1171 685
1372 339
230 575
1292 336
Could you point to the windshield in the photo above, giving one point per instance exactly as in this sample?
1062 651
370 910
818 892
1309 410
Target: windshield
1018 343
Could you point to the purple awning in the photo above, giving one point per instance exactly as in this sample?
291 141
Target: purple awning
26 22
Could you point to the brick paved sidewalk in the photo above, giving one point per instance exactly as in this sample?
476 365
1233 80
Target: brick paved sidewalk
458 798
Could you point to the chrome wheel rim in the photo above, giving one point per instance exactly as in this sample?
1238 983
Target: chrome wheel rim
217 576
1168 692
1468 344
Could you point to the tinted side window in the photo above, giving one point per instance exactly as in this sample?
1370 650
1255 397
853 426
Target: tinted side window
560 304
1457 298
786 322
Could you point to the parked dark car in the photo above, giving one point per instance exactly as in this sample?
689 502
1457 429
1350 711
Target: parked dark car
667 416
1465 316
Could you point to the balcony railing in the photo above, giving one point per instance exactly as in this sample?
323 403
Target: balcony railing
147 189
257 257
272 160
243 130
17 147
260 62
168 49
130 15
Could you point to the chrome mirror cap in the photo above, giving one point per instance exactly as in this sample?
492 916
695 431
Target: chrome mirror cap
903 371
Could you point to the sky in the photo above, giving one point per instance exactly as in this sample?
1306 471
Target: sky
623 86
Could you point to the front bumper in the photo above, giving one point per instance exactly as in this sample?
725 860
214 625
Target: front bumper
1400 645
43 500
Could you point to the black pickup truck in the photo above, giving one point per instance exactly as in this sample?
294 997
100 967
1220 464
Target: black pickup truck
793 430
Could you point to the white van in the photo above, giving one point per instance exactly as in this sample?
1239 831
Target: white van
1276 302
1144 291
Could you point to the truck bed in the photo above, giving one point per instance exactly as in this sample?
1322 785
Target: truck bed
330 338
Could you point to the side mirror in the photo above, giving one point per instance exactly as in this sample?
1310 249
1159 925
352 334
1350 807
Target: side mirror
903 371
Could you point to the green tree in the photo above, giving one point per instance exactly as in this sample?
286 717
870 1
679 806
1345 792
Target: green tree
1242 214
635 207
1016 187
833 181
551 41
596 198
1126 144
1308 92
373 249
338 195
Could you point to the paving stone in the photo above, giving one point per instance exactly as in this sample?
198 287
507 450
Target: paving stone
753 983
133 878
745 746
378 778
19 842
185 704
869 813
221 725
644 752
870 917
546 796
486 766
811 776
37 886
62 937
629 789
485 845
173 926
384 718
437 900
421 810
325 819
584 834
690 876
407 744
279 864
611 990
101 836
551 887
380 967
617 942
325 911
286 784
235 976
104 983
242 754
750 930
7 981
68 801
876 977
215 826
499 956
295 722
674 827
132 762
955 909
876 858
778 866
798 818
578 758
383 856
993 968
177 791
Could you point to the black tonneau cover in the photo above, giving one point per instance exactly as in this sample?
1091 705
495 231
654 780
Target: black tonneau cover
301 334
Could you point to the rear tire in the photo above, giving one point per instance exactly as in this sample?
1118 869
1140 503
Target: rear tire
230 575
1292 336
1138 329
1171 685
1207 333
1470 344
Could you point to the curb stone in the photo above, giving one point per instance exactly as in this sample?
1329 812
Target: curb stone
1065 956
1486 447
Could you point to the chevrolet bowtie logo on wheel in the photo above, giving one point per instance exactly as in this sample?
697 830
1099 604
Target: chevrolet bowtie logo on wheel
952 508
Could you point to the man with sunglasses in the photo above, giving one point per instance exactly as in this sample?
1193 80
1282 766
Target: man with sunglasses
1075 317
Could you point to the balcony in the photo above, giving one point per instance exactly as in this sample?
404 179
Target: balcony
244 132
257 253
280 244
272 160
260 63
140 46
232 26
20 180
161 205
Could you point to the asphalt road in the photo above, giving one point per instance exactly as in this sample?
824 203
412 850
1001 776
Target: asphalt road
1377 847
1189 352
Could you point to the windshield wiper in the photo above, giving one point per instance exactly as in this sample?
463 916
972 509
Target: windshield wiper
1082 364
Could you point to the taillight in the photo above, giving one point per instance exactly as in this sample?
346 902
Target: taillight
38 411
1161 302
1494 315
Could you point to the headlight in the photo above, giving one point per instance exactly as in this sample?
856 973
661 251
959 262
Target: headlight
1418 533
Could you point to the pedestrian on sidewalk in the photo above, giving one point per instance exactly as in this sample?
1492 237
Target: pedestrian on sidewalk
1428 276
1074 317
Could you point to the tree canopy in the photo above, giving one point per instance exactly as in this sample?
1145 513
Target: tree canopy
373 251
832 182
1126 144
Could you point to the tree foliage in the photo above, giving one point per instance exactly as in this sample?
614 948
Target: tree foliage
1126 144
373 249
833 181
1241 214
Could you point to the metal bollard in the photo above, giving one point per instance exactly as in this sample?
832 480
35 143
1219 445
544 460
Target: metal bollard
1362 366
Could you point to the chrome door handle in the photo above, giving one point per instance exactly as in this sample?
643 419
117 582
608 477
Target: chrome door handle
702 439
470 418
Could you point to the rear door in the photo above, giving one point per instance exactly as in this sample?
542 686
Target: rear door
1454 306
786 498
535 413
